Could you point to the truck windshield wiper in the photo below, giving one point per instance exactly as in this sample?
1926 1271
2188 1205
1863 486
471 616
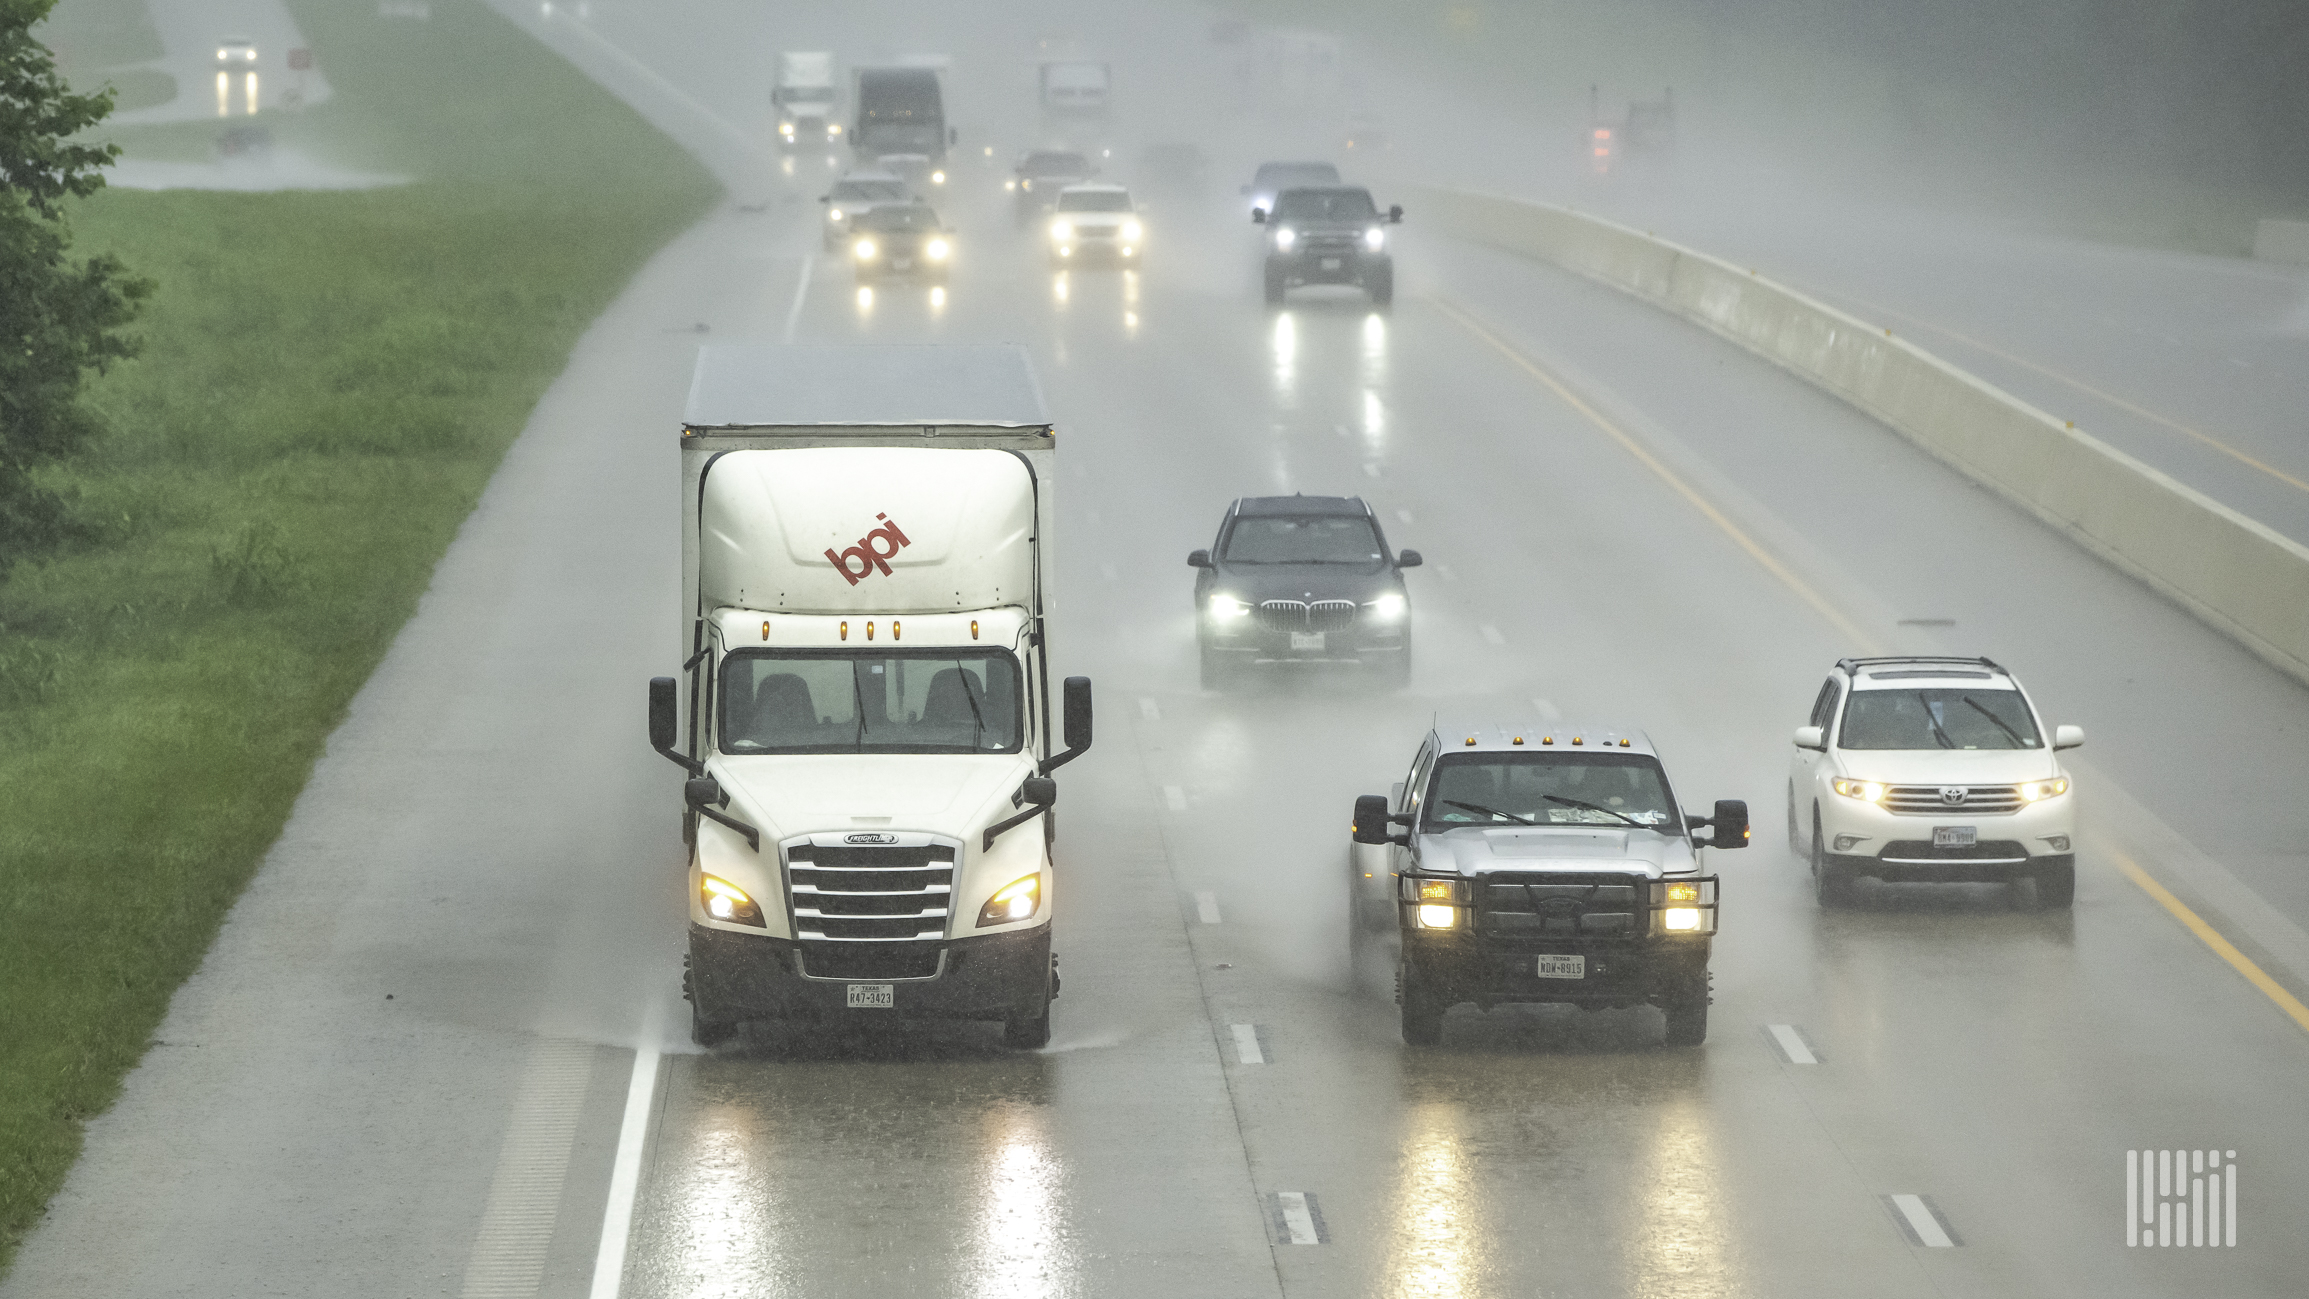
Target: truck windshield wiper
858 703
1487 811
1573 802
978 720
1997 721
1934 723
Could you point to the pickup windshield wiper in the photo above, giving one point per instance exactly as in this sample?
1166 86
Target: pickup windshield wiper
1997 721
1573 802
1487 811
1934 722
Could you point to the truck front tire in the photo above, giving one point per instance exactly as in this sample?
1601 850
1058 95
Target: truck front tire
704 1028
1687 1015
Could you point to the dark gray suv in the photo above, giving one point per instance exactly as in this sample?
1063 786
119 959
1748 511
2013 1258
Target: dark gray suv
1302 579
1330 234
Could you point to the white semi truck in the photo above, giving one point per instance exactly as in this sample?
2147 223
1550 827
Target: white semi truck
804 99
866 711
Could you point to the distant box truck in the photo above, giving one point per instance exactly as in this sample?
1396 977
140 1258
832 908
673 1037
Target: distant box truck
1076 88
804 98
866 713
901 115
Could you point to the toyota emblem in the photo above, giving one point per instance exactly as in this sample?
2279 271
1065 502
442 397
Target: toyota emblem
1953 794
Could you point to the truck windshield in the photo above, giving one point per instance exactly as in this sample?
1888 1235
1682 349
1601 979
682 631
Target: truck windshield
1338 205
809 94
870 191
870 701
1054 164
1097 200
897 218
1284 175
1504 788
1938 717
1302 539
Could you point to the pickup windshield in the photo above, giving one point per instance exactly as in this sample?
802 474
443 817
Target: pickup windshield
1334 206
1504 789
896 218
1302 539
869 191
1097 200
1938 717
871 701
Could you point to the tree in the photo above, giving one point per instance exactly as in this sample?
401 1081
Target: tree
59 318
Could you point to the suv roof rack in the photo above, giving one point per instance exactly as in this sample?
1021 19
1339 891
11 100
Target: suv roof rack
1851 666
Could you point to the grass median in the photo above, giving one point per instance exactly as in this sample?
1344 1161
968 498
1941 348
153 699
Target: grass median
328 381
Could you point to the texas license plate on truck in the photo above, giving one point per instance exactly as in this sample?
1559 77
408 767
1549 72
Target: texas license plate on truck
873 996
1563 967
1955 836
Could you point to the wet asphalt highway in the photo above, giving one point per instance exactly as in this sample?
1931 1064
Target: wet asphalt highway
489 839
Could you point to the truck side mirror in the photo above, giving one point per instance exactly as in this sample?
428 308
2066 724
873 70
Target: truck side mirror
1730 824
2068 737
1041 791
1258 216
1371 824
703 791
1199 559
664 713
1409 559
1811 737
1395 215
1076 711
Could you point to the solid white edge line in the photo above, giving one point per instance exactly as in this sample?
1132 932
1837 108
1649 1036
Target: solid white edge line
1247 1044
801 294
625 1176
1296 1219
1922 1222
1792 1044
1207 907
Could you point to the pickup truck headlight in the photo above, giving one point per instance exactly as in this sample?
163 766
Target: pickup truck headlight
1131 231
1284 238
786 129
1387 608
1017 900
1374 239
1434 917
1062 230
865 250
937 178
2038 790
1226 608
1867 791
936 250
1680 919
833 214
726 901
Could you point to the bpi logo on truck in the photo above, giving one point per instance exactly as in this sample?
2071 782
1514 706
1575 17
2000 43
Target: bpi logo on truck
872 558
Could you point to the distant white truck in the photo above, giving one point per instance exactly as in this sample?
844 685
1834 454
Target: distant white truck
804 99
1076 88
866 715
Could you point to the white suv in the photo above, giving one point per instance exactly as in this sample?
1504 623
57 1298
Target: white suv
1931 769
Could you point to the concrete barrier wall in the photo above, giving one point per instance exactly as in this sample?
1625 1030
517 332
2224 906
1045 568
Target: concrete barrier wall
2234 573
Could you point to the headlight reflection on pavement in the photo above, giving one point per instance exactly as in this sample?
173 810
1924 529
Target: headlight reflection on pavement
1435 1223
1022 1230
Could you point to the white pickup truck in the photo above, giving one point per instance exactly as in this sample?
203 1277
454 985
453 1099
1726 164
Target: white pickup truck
865 714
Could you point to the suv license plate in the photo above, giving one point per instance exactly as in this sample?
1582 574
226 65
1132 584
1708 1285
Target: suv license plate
873 996
1563 967
1330 263
1955 836
1308 640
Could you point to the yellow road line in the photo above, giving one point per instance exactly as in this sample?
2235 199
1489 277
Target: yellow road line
2211 937
2195 923
2080 385
1860 640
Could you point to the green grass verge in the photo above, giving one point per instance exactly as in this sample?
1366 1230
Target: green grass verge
328 382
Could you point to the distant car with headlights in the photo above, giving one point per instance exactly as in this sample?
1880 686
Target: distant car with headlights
900 240
1273 178
1539 863
236 54
1329 235
853 194
1302 579
1034 184
1095 223
1931 769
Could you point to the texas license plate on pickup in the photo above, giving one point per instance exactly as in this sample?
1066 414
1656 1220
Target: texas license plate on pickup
1563 967
1308 640
1330 263
1955 836
873 996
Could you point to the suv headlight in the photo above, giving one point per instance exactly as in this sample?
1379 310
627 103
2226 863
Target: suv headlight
1867 791
936 250
1284 238
1387 608
865 250
726 901
1226 607
1017 900
1374 239
2037 790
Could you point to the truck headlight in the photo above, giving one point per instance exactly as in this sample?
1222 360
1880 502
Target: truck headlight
938 178
936 250
1016 900
1867 791
786 129
1435 917
1387 608
1062 231
1374 239
1680 919
1131 231
1284 238
2037 790
833 214
726 901
865 250
1226 608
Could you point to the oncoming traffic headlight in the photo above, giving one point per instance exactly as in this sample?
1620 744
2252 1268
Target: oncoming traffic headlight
1431 917
2037 790
936 250
1226 608
1132 231
865 250
1680 919
1016 900
1284 238
1867 791
1062 230
726 901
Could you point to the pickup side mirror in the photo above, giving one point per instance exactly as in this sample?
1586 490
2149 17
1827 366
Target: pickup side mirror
1811 737
1371 823
1076 712
1199 559
1409 559
1730 824
1395 215
2068 737
1258 216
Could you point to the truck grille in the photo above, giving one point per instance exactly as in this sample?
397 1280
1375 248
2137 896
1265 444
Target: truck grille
858 893
1550 903
1977 800
1299 615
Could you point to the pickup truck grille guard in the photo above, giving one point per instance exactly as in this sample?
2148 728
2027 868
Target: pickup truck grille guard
1549 906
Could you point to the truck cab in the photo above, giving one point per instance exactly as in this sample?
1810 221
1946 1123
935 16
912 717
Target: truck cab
804 99
1539 863
865 712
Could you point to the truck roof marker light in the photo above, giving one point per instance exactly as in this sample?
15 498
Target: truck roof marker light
1471 739
1623 744
845 629
765 629
1518 740
893 629
974 629
869 631
1577 740
1547 739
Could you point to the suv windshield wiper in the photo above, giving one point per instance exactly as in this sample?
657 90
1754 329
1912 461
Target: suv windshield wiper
1573 802
1934 722
1996 721
1487 811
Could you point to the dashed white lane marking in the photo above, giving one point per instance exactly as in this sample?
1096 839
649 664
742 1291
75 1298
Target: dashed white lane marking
1370 469
625 1173
508 1257
1150 710
1106 571
801 294
1207 908
1403 516
1247 1044
1547 710
1446 571
1297 1219
1492 634
1922 1221
1176 797
1793 1048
